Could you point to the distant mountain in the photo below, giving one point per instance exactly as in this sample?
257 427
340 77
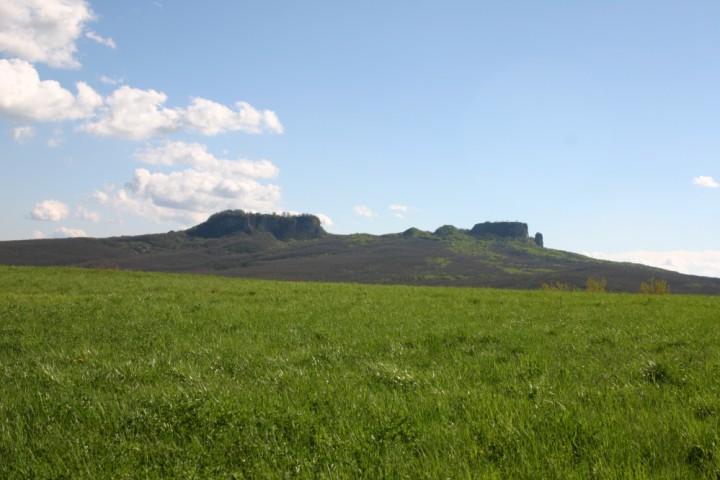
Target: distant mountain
295 247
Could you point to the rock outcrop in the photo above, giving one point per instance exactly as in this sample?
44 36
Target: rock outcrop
283 227
500 229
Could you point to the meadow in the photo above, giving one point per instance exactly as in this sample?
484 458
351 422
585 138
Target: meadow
113 374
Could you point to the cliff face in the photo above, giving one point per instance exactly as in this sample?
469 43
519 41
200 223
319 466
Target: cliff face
501 229
283 227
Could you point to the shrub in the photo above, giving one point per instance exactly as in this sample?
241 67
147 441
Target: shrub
655 286
595 285
556 286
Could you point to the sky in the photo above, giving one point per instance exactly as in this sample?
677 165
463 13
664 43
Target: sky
596 123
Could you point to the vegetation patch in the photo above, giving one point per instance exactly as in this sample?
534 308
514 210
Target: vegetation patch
112 374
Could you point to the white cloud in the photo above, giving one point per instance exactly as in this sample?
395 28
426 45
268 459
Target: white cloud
363 211
65 232
211 118
129 113
108 42
60 232
137 114
705 181
196 154
24 96
50 210
110 80
190 195
705 263
85 214
21 134
325 220
399 211
43 31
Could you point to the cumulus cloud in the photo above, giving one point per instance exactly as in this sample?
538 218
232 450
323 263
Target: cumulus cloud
128 113
363 211
705 263
50 210
21 134
191 194
197 155
211 118
47 31
24 96
43 31
705 181
137 114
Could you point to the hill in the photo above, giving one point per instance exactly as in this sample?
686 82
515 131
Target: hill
281 247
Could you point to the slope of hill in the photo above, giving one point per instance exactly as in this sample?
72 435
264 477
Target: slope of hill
239 244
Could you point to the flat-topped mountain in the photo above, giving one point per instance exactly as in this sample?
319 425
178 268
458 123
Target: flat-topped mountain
295 247
283 227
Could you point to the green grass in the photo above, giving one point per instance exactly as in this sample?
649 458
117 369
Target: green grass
132 375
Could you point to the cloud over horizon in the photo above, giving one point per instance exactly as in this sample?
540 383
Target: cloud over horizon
190 195
705 263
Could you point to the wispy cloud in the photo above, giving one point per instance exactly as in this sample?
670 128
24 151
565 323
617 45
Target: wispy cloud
705 181
60 232
111 80
400 211
57 139
108 42
85 214
363 211
22 134
705 263
67 232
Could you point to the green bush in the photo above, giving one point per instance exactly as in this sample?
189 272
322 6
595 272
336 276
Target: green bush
595 285
655 287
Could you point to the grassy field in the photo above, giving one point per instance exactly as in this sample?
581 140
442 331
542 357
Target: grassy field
135 375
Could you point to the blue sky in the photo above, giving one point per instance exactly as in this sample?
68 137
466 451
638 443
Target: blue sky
594 122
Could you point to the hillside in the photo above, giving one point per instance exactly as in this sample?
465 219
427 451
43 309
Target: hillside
281 247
